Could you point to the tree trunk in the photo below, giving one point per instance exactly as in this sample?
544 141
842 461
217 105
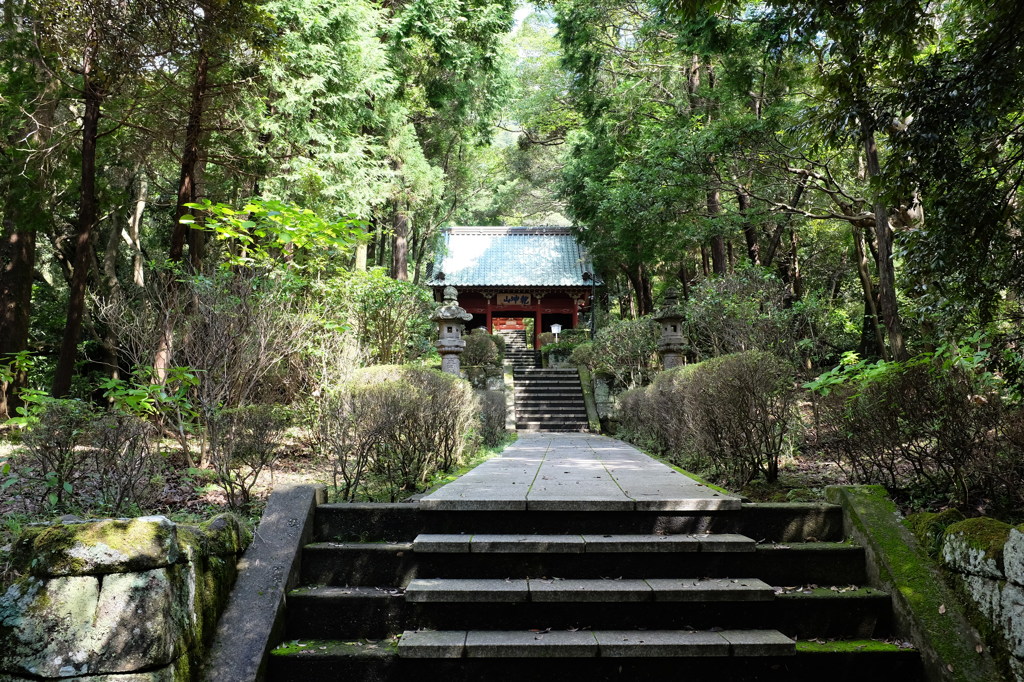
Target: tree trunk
794 265
134 228
705 261
864 273
88 211
190 155
18 256
883 242
400 244
684 278
719 261
749 232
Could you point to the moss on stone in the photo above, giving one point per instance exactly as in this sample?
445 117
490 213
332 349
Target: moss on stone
928 528
108 546
846 646
336 649
987 535
930 607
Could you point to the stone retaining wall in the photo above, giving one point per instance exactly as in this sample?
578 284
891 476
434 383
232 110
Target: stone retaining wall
987 559
125 600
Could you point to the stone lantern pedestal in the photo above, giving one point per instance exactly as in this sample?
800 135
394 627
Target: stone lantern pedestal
672 344
451 321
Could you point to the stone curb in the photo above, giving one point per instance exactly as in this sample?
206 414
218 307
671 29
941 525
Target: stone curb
252 622
925 609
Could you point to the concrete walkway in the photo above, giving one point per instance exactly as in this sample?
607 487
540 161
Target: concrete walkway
575 472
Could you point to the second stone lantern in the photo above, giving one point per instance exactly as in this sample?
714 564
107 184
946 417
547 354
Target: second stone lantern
672 344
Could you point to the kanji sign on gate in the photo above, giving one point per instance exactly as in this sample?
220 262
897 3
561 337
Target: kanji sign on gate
514 299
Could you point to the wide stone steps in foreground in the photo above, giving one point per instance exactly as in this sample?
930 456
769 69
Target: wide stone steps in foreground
574 557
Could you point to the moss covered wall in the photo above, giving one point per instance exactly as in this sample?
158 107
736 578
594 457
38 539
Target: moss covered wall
117 597
986 558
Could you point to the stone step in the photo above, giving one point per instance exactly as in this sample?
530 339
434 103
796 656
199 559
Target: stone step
560 427
336 612
579 417
591 644
384 563
765 522
579 544
312 661
550 405
378 661
569 590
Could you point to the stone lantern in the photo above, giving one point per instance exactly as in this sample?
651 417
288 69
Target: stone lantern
451 320
672 343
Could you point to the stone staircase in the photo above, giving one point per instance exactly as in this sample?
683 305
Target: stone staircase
549 400
517 353
757 593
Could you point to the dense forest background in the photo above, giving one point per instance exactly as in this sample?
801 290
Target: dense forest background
209 206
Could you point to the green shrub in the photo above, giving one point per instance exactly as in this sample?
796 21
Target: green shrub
733 415
480 350
54 432
751 310
625 350
934 430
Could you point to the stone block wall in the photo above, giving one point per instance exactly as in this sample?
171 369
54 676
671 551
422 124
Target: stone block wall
987 559
120 600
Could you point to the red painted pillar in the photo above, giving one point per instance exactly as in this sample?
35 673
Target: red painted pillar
537 325
575 315
490 329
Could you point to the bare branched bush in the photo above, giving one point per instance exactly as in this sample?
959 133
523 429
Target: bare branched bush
54 448
734 415
391 428
244 442
127 465
742 414
237 334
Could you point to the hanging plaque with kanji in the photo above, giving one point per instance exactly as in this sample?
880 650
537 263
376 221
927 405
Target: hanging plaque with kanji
513 299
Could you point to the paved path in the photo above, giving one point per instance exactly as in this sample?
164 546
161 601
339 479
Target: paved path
575 472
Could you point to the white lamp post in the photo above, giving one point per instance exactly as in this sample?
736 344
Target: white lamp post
556 329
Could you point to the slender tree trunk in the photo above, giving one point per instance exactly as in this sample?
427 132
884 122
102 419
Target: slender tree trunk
684 278
88 212
864 273
719 261
18 258
883 242
186 195
749 232
705 261
134 229
794 265
400 244
190 155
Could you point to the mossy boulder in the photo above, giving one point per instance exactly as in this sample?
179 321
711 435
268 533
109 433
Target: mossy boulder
1013 556
116 597
929 527
975 547
104 547
80 625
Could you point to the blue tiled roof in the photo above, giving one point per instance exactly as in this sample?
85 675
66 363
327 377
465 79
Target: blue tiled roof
511 256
